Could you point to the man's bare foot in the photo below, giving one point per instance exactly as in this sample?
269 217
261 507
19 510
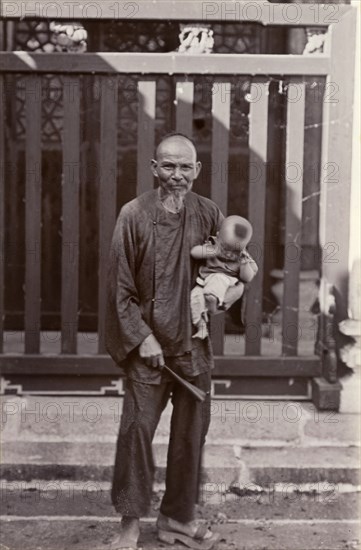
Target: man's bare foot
129 535
190 528
192 534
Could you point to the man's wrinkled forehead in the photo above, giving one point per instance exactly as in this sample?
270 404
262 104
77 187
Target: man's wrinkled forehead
176 146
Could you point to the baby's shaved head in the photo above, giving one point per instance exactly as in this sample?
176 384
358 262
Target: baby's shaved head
235 232
240 231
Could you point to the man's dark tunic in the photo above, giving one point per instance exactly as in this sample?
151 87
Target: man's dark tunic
150 278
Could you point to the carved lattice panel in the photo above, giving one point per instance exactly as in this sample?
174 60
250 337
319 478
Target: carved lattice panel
139 36
127 110
52 108
237 38
48 36
155 36
33 36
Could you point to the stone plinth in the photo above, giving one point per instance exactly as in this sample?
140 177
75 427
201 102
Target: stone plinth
351 352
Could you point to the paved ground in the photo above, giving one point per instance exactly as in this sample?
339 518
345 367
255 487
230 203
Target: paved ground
82 519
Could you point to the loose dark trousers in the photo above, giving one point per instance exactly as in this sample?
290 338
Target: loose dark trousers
134 465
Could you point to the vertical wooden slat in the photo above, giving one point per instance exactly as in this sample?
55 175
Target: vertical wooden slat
258 137
336 160
293 206
107 189
10 36
15 198
89 183
184 92
146 138
2 209
2 36
221 101
70 216
32 213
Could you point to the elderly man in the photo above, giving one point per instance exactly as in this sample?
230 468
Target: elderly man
149 324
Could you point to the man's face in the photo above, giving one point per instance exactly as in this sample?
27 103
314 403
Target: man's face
176 166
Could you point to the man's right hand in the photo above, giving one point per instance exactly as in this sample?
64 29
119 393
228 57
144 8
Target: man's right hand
151 352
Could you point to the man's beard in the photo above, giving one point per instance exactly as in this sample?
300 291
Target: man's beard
173 200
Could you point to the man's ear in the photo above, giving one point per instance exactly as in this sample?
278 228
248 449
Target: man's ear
153 167
198 168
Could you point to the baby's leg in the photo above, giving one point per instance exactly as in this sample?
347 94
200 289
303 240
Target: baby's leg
215 290
199 312
198 305
212 303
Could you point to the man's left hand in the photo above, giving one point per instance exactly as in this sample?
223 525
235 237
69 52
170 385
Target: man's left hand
151 351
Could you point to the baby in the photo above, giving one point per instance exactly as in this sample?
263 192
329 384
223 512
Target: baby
227 264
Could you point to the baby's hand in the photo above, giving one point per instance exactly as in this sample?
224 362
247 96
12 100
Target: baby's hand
248 267
204 251
246 257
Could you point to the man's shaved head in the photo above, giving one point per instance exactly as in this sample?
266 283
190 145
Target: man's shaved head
175 137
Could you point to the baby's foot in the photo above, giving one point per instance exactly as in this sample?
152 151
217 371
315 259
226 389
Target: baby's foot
202 331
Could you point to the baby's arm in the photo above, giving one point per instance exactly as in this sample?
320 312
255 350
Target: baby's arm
248 267
204 251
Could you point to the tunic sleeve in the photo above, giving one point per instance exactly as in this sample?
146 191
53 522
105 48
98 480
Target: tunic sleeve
126 329
218 219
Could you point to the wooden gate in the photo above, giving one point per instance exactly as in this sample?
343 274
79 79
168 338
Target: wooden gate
63 363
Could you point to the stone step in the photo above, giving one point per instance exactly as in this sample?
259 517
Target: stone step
257 423
223 465
77 499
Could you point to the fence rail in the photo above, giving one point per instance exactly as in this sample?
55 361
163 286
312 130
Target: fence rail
101 365
165 63
265 13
